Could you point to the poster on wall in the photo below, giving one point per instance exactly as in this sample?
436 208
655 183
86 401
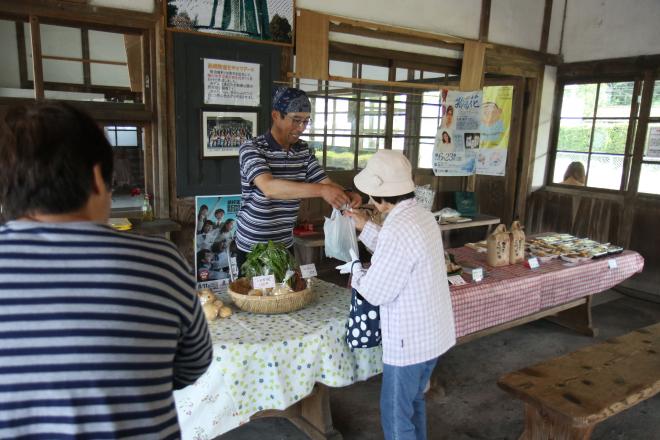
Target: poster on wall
231 83
215 250
458 138
269 20
653 146
494 129
224 132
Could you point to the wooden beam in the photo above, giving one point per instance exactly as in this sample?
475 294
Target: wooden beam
68 11
547 16
484 23
22 54
613 67
345 28
312 45
84 42
83 60
389 30
392 84
531 55
37 66
472 69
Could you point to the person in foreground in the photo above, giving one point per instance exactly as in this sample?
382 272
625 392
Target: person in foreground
277 170
408 281
97 327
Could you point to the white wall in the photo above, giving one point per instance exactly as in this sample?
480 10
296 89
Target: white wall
516 23
133 5
9 75
601 29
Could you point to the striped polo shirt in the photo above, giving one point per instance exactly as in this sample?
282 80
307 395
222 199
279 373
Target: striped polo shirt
261 219
97 328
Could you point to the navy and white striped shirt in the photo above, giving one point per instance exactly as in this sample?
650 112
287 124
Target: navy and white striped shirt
97 328
261 219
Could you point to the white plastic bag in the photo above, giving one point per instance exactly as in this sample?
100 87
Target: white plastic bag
340 236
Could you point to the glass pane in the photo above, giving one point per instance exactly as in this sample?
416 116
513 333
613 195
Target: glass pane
340 68
373 117
655 103
375 72
400 98
341 90
610 136
605 171
614 99
368 147
431 97
652 148
399 126
373 96
574 135
430 111
563 160
316 142
429 127
649 178
401 74
317 115
127 138
425 158
398 143
429 75
578 101
340 153
341 116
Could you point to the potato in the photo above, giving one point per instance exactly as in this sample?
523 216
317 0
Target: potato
256 292
210 311
225 312
218 303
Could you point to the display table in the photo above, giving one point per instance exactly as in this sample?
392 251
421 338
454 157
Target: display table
265 362
272 362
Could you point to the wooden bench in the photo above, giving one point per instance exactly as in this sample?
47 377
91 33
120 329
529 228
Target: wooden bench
567 396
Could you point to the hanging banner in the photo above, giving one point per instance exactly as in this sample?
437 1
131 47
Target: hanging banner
457 140
231 83
215 250
494 130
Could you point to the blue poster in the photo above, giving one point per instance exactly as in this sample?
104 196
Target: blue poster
215 250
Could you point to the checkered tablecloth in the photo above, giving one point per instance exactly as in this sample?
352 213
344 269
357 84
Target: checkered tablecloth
511 292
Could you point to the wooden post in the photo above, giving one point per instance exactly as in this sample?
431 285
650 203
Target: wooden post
312 49
37 66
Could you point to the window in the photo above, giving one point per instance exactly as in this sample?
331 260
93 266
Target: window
128 173
596 129
350 123
649 178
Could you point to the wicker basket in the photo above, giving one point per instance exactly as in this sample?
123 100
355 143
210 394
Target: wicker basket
288 302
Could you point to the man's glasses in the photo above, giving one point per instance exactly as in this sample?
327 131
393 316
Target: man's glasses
300 122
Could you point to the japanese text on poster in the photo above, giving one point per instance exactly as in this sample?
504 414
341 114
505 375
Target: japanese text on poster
231 83
457 139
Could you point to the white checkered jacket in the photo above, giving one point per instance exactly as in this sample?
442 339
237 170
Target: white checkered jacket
407 279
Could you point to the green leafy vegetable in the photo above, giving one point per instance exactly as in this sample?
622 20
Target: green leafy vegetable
266 259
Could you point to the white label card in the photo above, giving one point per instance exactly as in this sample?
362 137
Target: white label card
611 263
456 280
263 282
533 263
308 270
477 274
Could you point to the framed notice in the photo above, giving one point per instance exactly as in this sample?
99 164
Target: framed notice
224 132
231 83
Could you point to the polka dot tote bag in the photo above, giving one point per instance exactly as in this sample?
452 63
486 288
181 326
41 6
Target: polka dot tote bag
363 325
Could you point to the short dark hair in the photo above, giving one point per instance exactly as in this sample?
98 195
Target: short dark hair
393 199
47 154
218 210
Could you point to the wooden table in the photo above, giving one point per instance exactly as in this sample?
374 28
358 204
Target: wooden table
567 396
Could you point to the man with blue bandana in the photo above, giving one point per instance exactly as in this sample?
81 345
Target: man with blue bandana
277 170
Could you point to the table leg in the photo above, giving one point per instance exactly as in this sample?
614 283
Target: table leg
577 318
540 425
311 415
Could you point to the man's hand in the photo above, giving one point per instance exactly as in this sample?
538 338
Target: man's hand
335 195
356 199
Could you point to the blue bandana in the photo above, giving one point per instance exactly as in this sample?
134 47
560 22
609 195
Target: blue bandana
290 100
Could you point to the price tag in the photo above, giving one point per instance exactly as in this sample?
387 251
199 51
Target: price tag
533 263
456 280
611 263
477 274
263 282
308 270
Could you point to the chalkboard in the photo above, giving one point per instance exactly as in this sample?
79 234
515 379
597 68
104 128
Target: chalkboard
194 175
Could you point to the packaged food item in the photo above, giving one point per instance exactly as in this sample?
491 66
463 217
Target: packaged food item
517 248
498 244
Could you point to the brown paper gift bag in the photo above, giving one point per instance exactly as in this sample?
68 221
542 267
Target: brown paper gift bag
498 245
517 249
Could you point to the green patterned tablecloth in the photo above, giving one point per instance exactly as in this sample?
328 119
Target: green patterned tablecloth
272 361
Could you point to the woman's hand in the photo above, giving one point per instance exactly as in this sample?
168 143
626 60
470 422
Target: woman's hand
360 218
